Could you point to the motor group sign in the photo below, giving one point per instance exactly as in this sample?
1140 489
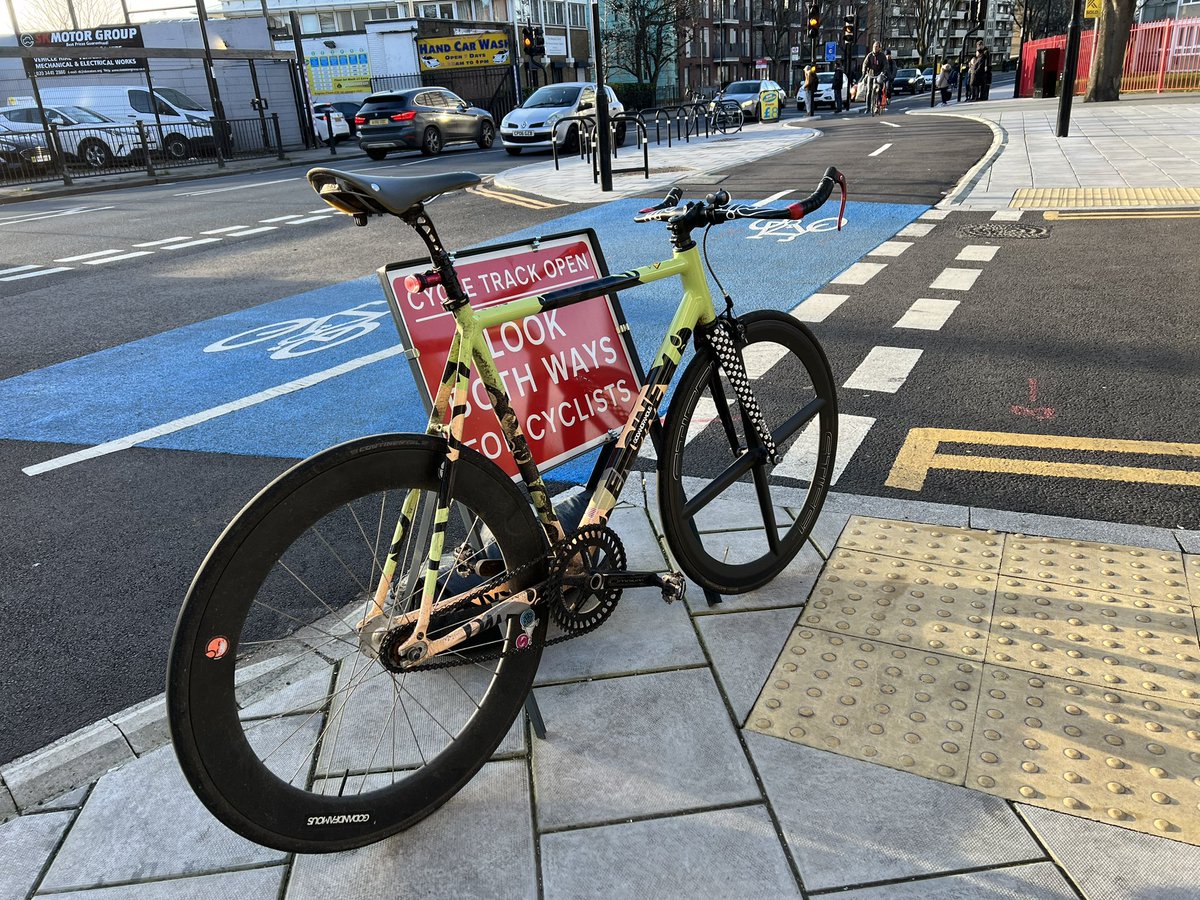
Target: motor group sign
568 373
106 37
463 51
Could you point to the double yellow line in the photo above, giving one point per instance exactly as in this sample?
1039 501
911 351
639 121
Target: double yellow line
1058 215
515 200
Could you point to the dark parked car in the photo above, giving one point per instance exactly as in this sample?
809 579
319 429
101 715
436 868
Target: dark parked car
349 109
23 154
908 80
425 119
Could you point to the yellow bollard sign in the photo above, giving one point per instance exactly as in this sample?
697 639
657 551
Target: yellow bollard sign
768 102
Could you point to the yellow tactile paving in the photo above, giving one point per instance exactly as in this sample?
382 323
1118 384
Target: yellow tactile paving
965 548
903 602
1089 751
1125 643
1136 571
1191 565
1086 698
1082 198
903 708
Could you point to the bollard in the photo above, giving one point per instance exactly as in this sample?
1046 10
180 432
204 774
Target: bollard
278 134
145 142
59 159
329 131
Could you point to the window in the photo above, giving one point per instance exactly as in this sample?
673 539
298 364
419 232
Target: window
140 100
328 22
577 15
704 43
554 12
345 21
309 24
437 11
360 19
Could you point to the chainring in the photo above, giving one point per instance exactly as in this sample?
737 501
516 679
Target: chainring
578 601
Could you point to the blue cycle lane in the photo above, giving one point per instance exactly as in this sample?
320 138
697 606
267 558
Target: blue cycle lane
267 392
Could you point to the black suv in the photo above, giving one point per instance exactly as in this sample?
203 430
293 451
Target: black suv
425 119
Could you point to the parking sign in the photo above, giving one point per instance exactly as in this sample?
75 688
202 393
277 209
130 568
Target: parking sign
830 51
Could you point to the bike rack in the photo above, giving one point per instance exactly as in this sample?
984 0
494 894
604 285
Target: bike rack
643 143
587 129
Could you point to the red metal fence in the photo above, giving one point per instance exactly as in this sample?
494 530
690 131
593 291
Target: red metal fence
1160 56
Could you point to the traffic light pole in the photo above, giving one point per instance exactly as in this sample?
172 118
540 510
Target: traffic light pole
605 145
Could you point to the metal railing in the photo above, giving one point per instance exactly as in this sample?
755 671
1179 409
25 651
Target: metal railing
687 119
66 152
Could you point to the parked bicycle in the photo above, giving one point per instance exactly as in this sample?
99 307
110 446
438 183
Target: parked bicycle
726 116
359 641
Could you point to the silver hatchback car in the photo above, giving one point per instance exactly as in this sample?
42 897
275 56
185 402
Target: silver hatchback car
529 126
746 95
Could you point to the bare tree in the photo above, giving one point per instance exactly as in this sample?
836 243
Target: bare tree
646 36
1108 59
777 37
61 15
929 16
1046 17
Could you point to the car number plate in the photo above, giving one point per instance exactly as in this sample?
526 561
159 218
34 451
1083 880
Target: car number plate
522 134
378 122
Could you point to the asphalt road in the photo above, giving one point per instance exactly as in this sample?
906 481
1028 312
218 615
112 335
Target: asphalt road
96 557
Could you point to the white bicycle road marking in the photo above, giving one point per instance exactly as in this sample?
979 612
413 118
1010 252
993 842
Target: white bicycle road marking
787 230
300 337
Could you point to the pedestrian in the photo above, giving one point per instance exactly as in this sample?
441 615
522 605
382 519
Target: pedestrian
839 81
974 77
810 89
985 73
943 83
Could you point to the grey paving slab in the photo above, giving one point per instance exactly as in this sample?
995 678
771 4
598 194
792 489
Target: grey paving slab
642 550
849 822
644 632
1075 529
948 514
744 647
790 587
1033 881
142 821
1115 863
728 852
25 846
8 806
68 763
70 800
636 746
144 725
243 885
1188 540
479 845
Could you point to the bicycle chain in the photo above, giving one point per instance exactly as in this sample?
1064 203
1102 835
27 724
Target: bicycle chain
491 584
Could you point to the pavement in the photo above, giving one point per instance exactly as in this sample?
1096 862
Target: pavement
667 771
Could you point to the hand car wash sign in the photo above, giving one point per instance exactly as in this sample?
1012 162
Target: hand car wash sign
106 37
464 51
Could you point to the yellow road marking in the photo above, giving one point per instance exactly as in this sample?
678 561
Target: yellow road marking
527 202
920 454
1077 198
1125 214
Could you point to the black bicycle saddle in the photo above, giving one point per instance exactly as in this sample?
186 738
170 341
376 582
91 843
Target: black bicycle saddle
373 195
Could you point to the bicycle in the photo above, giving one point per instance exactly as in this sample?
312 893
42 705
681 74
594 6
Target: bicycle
361 638
726 117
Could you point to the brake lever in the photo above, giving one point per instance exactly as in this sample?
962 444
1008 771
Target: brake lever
672 199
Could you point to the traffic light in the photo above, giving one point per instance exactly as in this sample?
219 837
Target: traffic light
849 29
814 22
539 41
527 40
978 13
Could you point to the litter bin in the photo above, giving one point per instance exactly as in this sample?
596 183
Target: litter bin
1047 69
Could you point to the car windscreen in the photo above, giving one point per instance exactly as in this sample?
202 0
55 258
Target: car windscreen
743 87
824 77
180 99
551 97
383 103
83 116
907 73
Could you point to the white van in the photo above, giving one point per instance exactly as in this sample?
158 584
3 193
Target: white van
186 125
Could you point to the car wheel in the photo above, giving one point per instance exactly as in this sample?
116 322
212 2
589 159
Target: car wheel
377 155
176 147
513 151
431 143
95 154
757 113
487 135
620 135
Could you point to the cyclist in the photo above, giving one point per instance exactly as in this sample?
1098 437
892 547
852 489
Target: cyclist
874 73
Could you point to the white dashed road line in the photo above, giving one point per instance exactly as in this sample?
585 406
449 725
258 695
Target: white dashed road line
888 124
885 369
88 255
976 253
36 274
859 273
927 314
195 243
258 230
225 229
307 219
37 217
279 219
768 200
1007 215
934 215
108 259
916 229
880 150
234 187
16 269
953 279
890 248
801 457
161 241
818 307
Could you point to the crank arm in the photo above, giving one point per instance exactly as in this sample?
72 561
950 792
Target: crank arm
416 652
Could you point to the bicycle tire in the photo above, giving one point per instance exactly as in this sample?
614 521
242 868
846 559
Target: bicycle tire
215 711
788 374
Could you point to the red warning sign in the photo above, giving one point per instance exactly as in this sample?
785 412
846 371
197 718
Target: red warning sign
569 374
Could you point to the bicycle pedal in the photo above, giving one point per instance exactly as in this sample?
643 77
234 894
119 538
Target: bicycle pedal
673 587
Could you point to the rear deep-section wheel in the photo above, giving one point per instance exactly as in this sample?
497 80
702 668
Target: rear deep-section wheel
286 724
710 456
